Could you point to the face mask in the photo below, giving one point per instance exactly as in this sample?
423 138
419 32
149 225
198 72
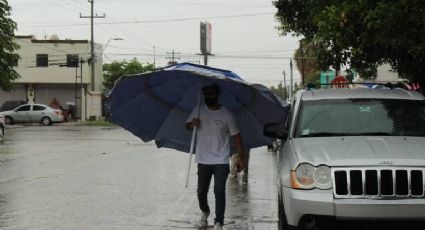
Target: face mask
210 101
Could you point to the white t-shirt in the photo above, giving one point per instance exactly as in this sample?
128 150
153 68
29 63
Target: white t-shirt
213 137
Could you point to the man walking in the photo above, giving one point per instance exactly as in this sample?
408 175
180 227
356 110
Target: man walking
216 127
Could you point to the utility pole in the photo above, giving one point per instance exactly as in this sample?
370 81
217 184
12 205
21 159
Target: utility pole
172 62
154 57
284 85
291 81
205 59
302 62
92 59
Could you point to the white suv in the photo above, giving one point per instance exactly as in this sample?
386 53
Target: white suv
351 155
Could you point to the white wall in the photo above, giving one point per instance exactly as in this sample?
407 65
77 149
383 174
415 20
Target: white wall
57 53
386 74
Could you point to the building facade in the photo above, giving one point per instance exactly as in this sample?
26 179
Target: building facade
55 68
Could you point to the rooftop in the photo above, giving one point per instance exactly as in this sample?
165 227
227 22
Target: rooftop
53 39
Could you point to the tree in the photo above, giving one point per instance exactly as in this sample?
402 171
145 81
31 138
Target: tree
114 70
306 62
8 47
280 91
363 34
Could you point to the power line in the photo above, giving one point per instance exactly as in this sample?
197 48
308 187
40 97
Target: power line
156 21
60 5
216 56
191 3
132 35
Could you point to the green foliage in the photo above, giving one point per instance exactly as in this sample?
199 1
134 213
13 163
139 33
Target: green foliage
363 34
306 61
280 91
312 78
7 48
114 70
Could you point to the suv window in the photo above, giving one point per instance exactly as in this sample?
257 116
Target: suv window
38 108
24 108
361 117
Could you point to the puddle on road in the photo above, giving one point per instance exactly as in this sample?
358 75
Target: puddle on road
188 223
72 130
109 128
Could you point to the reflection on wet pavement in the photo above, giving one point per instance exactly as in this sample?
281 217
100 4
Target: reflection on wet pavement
75 177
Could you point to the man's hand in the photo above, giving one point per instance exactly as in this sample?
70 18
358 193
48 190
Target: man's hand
196 122
240 163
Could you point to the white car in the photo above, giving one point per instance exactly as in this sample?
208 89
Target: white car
36 113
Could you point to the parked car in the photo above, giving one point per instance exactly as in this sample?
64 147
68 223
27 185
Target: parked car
10 105
33 113
351 154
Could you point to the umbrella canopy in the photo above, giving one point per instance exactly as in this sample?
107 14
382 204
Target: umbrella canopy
156 105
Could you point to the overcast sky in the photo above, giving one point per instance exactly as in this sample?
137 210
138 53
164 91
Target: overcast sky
244 35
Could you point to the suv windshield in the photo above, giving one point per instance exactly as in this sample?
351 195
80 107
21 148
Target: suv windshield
361 117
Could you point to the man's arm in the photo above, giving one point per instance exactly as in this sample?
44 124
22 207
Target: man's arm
239 148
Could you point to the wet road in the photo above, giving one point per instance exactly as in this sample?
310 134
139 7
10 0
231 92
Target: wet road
79 177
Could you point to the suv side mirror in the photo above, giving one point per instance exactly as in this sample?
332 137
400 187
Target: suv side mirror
275 130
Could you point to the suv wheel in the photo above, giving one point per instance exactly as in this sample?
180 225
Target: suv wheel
8 121
46 121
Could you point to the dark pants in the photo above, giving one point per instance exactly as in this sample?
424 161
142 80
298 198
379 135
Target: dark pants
205 173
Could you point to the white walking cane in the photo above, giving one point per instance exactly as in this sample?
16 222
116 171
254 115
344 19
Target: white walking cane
192 143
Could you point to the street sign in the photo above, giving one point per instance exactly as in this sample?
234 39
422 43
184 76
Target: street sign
205 38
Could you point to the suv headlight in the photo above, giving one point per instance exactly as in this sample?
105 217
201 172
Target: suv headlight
306 176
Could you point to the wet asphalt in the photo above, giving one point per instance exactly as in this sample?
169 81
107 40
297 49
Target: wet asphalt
82 177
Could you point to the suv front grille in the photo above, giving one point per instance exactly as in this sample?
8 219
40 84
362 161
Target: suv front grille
378 182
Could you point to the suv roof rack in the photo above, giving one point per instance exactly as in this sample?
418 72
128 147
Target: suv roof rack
388 85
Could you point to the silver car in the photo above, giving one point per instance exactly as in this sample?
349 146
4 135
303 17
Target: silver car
37 113
351 156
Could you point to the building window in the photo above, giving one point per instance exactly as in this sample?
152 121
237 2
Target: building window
42 60
72 60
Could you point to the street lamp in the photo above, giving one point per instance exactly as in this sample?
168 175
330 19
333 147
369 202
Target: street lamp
111 39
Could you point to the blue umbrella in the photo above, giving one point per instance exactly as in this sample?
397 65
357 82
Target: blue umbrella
156 105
